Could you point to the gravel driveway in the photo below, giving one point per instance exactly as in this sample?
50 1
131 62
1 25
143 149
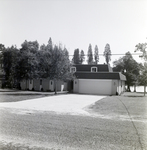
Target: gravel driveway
70 103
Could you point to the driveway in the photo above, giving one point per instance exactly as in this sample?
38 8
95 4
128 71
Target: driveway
70 103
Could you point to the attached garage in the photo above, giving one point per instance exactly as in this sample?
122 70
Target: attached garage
99 83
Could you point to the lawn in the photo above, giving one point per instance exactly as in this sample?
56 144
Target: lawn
18 96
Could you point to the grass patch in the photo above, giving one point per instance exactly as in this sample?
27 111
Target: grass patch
19 97
11 146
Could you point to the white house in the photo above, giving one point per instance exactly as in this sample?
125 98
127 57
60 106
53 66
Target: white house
97 79
44 84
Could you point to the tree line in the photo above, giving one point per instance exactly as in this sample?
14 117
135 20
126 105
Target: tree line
45 61
34 61
79 56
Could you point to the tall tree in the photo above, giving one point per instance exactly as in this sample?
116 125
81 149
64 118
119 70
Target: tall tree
142 47
107 53
2 48
143 77
10 57
50 44
76 57
82 57
44 63
90 55
96 54
129 67
60 65
43 47
28 60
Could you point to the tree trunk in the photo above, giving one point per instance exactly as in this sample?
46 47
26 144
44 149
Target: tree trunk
55 81
144 89
128 88
135 88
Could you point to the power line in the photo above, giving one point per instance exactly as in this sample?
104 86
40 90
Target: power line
113 54
92 54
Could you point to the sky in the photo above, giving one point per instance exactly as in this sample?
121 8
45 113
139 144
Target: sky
76 24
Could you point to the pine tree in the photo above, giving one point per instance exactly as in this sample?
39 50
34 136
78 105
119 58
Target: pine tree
50 45
107 53
96 55
76 57
90 55
82 57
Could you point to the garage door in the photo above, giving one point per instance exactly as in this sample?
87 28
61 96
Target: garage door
101 87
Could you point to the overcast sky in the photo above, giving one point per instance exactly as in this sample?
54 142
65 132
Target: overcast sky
75 23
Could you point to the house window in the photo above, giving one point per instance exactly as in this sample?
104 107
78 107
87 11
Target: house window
51 82
72 69
41 82
93 69
30 81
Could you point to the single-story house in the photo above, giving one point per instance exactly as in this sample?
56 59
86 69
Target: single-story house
42 85
97 79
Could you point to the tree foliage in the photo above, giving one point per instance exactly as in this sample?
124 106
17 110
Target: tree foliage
96 54
32 61
2 48
142 47
82 57
10 56
27 63
129 67
90 55
107 53
76 57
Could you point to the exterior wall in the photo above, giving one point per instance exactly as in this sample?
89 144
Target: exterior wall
36 84
30 84
91 86
23 85
26 84
120 87
76 86
65 86
123 86
45 84
51 85
60 86
114 87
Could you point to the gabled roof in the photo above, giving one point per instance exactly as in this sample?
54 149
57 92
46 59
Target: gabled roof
100 75
87 68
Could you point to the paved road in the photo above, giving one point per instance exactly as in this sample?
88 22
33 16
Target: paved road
118 123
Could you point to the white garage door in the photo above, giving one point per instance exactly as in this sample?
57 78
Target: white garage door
101 87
